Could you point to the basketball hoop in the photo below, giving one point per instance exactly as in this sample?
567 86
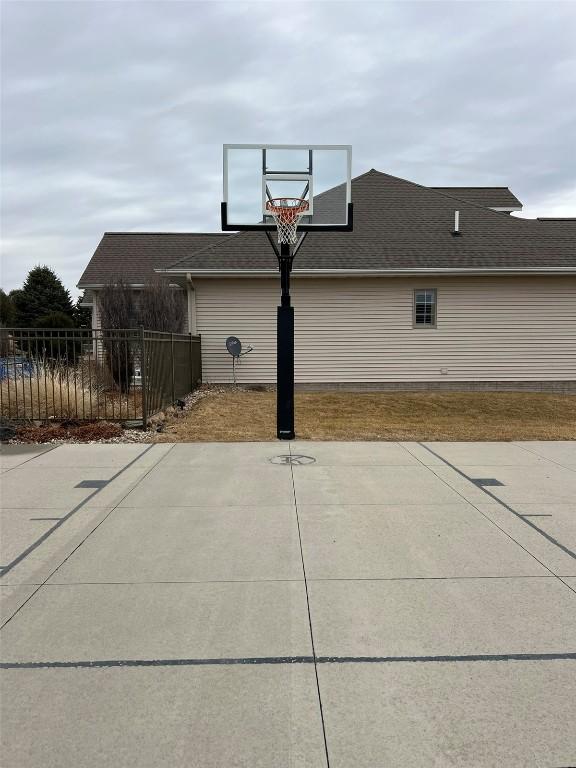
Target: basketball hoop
287 212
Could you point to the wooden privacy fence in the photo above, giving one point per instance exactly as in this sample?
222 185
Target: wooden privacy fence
89 374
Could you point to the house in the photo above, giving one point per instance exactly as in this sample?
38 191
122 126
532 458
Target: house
408 299
134 258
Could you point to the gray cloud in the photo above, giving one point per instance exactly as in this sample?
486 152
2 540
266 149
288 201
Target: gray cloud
114 113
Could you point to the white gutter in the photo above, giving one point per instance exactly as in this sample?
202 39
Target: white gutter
378 272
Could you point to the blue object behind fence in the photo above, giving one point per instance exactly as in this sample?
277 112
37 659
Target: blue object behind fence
15 368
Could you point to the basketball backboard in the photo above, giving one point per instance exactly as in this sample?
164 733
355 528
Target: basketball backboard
254 174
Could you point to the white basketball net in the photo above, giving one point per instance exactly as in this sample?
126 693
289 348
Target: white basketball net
287 212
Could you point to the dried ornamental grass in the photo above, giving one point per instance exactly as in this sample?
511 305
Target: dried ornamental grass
65 392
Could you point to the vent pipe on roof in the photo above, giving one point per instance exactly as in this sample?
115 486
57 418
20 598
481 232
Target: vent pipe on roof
456 231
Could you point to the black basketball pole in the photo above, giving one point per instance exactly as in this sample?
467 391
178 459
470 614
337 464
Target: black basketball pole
285 350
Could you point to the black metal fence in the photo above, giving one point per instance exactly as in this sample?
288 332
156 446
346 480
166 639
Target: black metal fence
87 374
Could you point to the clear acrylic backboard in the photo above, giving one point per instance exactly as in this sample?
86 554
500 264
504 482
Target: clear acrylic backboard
255 174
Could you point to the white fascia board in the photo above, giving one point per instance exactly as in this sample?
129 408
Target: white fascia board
380 272
506 210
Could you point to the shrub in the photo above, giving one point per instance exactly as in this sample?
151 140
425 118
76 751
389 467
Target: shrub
117 311
55 320
162 308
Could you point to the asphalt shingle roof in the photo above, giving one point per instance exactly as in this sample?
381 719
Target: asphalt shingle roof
401 225
134 256
489 197
397 225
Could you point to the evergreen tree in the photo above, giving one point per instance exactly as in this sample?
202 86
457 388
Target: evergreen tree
55 320
59 340
82 315
7 311
41 294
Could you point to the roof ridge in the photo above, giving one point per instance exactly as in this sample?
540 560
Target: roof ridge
478 206
372 171
225 236
232 235
367 173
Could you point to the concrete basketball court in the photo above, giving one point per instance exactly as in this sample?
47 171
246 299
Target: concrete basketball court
375 605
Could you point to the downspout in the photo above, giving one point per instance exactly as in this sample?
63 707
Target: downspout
95 323
191 297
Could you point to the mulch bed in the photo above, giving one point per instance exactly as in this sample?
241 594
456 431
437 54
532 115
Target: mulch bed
68 430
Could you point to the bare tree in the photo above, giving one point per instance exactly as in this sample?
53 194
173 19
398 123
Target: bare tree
158 307
116 303
162 308
117 311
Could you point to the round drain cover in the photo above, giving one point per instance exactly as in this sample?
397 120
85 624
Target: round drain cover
293 458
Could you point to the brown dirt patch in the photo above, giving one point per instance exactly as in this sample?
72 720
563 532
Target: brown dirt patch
245 416
98 430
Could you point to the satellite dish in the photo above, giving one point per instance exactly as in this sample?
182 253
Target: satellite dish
234 346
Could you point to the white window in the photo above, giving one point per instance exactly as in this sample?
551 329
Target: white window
424 308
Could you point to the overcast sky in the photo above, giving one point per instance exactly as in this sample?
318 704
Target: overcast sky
114 113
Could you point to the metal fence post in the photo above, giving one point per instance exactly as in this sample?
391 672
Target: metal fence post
191 354
143 378
89 374
172 356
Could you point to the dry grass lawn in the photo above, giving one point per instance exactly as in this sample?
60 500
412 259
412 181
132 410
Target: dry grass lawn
238 415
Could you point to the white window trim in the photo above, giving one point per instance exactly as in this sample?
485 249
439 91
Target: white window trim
424 326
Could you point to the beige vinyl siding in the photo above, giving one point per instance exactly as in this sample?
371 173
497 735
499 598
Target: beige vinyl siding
360 329
96 311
